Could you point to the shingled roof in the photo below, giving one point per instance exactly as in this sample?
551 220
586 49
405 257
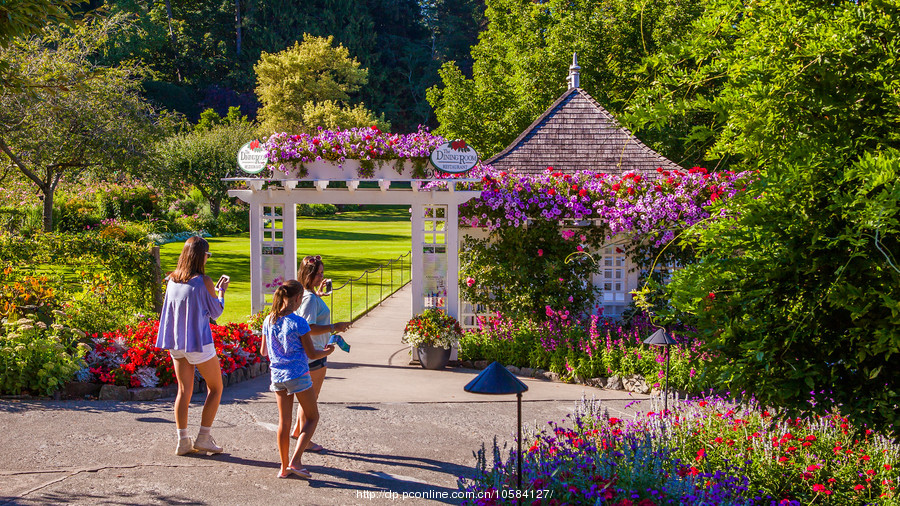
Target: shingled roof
577 133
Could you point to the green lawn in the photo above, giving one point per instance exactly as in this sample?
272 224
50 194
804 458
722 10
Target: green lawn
350 243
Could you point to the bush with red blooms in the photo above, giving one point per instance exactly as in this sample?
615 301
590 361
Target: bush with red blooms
129 357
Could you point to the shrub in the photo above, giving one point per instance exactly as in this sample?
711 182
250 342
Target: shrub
131 203
37 358
74 213
316 209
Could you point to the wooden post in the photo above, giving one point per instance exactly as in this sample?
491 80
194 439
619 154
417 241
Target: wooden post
156 289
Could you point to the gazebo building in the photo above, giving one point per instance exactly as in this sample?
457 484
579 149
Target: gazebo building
576 133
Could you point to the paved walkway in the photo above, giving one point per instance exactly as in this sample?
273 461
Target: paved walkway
390 429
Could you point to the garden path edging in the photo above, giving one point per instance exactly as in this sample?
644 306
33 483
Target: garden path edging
105 392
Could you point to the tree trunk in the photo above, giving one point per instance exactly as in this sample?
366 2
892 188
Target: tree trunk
174 40
215 206
48 209
237 24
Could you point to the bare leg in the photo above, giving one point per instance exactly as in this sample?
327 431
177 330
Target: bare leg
184 373
285 403
212 374
318 378
307 400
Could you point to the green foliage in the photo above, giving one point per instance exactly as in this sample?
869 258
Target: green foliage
521 271
96 119
522 59
312 71
316 209
37 358
799 292
116 273
205 155
570 349
333 116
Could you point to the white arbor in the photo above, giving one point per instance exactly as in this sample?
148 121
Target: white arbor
435 228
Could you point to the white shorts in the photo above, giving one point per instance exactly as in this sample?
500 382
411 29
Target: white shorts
196 357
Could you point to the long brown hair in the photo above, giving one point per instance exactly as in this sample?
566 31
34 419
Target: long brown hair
284 293
308 271
192 260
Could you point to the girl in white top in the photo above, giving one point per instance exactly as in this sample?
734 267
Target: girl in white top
313 309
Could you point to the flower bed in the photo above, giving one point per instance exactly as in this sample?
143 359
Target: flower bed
130 358
705 452
568 347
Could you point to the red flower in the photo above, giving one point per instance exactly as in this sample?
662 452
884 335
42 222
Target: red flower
700 454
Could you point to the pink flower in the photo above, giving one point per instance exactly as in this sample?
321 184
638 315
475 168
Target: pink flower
470 282
540 252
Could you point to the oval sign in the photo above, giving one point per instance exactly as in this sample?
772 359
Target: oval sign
252 157
454 157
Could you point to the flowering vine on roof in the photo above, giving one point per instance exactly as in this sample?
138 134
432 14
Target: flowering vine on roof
644 207
365 144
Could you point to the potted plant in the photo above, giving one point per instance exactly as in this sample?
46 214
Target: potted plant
433 333
255 322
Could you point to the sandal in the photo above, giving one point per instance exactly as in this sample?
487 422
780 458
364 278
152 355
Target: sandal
286 474
302 473
315 447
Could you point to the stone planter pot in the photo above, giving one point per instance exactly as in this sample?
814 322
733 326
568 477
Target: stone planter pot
433 358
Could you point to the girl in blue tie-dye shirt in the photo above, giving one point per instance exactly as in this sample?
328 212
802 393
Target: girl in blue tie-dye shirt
289 346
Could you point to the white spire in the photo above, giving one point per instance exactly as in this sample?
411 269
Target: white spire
574 78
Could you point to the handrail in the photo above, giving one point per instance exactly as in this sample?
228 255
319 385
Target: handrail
381 296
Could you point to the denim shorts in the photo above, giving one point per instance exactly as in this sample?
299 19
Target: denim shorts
293 386
315 365
196 357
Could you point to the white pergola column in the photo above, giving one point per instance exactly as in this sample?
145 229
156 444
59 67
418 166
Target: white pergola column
290 240
257 303
417 268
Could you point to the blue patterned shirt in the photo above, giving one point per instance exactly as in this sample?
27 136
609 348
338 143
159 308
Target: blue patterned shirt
287 359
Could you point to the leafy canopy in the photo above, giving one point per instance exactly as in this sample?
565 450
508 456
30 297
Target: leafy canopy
312 72
522 59
96 123
798 295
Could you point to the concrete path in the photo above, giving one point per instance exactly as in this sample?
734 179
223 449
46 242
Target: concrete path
395 433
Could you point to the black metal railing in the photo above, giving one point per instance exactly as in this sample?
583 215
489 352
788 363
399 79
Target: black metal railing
364 279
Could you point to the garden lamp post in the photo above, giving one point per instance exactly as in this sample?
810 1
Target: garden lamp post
662 338
495 379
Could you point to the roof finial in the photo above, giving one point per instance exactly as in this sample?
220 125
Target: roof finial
574 78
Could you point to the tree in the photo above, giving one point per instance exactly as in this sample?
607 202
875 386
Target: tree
207 153
21 18
51 131
797 295
331 115
312 71
522 59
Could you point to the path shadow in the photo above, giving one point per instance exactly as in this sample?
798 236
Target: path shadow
343 235
379 482
427 464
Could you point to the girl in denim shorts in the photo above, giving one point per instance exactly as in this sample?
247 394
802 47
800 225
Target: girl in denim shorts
289 347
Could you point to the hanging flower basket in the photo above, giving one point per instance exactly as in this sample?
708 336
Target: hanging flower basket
357 153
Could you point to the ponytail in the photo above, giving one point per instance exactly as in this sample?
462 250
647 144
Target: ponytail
290 289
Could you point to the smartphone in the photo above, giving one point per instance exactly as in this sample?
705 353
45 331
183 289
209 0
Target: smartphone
222 280
339 342
327 286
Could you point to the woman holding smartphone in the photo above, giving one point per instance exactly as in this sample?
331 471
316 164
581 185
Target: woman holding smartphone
191 302
314 310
